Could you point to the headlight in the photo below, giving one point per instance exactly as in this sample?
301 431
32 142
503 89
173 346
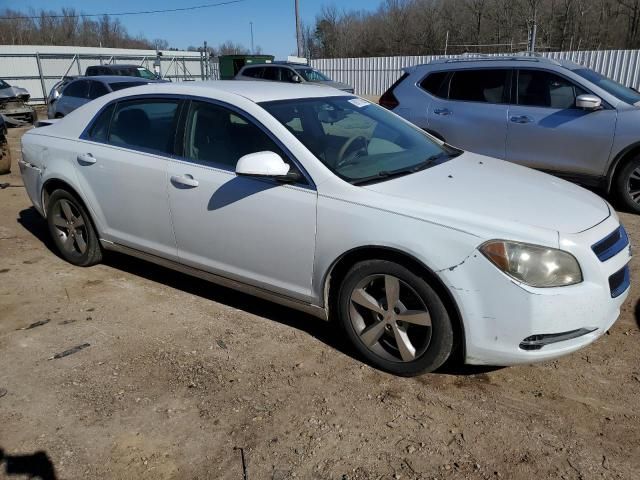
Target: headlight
534 265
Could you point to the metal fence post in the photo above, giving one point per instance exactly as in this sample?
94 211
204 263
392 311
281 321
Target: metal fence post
44 88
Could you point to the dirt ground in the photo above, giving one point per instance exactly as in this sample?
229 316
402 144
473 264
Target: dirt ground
181 379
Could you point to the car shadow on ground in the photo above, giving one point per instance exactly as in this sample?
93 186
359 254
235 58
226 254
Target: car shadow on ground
37 465
326 332
637 314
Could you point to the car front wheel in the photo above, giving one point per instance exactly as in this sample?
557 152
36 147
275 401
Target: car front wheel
72 230
628 185
394 318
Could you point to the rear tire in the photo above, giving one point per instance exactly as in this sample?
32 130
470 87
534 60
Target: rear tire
627 184
72 230
394 318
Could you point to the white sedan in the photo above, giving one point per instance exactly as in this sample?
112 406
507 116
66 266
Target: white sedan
321 201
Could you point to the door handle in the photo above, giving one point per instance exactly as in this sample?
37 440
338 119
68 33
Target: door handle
521 119
442 111
184 181
86 158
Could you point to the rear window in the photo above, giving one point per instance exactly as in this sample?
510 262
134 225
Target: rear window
436 85
486 86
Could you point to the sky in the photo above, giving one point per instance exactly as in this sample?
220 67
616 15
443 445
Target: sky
273 20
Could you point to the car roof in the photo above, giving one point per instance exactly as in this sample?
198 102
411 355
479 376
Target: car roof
255 91
114 79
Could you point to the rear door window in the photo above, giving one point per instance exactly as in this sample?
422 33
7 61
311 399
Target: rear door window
97 89
255 72
147 125
436 84
485 86
271 73
79 89
537 88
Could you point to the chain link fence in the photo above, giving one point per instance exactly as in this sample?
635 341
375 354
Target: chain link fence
39 72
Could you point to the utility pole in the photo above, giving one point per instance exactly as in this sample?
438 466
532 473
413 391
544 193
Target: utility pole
298 31
446 43
252 50
533 31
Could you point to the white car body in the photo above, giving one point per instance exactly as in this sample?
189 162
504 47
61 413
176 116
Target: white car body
283 241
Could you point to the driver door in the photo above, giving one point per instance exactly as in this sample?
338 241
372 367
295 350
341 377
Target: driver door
257 231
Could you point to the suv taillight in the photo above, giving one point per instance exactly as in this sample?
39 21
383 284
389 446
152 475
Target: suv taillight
388 99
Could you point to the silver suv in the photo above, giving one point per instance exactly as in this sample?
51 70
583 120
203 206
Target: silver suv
555 116
291 73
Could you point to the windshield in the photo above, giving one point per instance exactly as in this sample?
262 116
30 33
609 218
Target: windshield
619 91
144 73
311 75
4 84
357 140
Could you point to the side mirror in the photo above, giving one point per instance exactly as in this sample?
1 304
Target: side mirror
296 79
262 164
588 102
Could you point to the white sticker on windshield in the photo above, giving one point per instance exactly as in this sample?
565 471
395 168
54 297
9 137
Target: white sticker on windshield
359 102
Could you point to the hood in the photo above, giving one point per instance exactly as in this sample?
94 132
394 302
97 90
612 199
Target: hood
14 92
338 85
484 191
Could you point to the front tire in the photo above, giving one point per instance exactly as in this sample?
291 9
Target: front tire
627 184
72 230
394 318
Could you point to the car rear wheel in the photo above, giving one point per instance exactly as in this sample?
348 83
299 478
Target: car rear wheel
628 184
71 229
394 318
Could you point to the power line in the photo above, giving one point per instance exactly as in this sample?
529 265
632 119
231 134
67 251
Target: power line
121 14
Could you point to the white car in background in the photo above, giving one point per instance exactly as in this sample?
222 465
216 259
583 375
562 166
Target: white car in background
321 201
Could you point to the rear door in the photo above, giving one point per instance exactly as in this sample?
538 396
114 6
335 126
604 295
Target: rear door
548 132
122 163
471 112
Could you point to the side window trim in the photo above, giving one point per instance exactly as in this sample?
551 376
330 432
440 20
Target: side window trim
308 183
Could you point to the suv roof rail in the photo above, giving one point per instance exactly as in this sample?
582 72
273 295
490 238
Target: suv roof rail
499 57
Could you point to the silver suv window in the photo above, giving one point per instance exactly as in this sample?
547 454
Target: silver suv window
538 88
619 91
485 86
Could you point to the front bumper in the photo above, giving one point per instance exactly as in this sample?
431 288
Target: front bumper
503 317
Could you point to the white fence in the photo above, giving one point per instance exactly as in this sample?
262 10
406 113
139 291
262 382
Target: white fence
372 76
38 68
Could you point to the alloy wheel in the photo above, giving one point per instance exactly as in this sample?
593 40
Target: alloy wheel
70 227
390 318
633 185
